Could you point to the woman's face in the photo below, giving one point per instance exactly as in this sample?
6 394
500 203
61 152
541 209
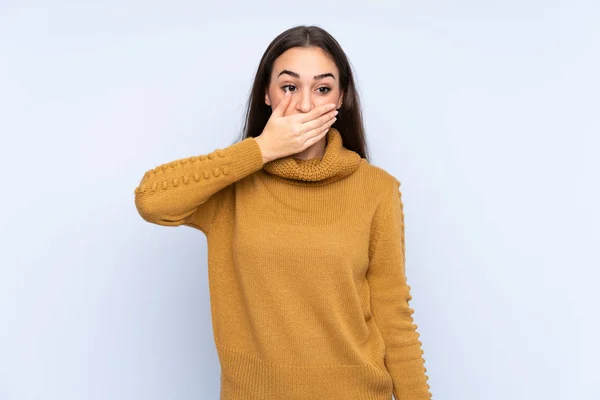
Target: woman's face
311 77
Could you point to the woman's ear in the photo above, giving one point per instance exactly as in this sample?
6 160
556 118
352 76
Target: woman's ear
267 99
340 101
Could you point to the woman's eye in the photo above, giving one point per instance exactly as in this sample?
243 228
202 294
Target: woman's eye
288 88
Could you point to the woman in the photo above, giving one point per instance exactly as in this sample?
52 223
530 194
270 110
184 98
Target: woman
309 298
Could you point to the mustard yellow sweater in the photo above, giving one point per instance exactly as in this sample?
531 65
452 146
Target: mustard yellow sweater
306 267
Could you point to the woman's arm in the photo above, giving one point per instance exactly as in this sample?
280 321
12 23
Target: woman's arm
390 296
187 191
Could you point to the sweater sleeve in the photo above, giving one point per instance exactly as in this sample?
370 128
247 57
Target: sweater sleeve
390 296
189 191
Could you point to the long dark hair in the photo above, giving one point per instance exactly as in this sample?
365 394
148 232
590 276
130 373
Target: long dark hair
349 120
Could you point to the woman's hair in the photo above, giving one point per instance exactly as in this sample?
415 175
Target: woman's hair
349 119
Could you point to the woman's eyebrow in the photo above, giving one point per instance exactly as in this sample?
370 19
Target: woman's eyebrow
296 75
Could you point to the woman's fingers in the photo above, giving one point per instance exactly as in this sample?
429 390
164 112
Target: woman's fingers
315 135
314 113
318 130
322 120
283 105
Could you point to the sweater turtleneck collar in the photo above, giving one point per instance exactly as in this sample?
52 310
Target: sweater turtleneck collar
337 163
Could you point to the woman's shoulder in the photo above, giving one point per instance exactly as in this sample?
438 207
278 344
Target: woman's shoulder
379 177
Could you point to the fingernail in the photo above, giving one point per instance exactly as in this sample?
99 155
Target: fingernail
336 112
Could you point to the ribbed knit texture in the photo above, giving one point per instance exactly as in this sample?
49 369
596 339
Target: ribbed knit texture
306 266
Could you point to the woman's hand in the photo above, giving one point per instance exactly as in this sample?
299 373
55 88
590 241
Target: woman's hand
285 135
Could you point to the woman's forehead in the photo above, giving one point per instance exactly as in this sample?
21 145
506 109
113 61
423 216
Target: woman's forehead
305 63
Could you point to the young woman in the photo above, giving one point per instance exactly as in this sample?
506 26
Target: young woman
306 256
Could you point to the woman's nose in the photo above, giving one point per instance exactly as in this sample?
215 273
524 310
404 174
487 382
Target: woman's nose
305 103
